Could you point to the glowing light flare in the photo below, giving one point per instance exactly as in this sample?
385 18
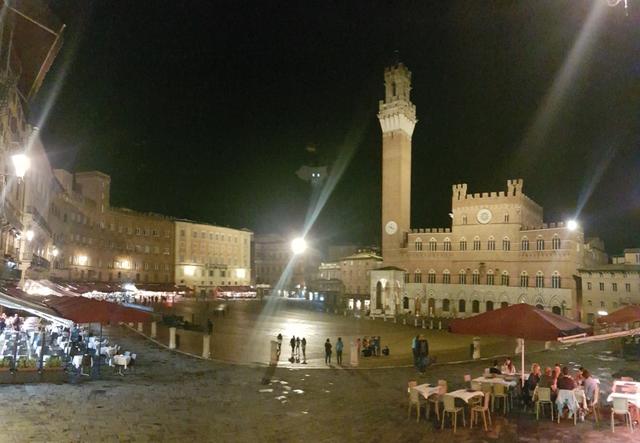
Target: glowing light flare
21 163
189 271
30 235
82 260
572 225
298 245
241 273
126 264
55 252
603 313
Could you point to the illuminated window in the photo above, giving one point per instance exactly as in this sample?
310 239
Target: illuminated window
555 242
524 244
447 244
433 245
418 244
540 244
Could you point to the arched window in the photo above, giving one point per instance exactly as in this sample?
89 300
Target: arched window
475 277
463 244
556 310
462 277
524 279
475 306
476 243
555 280
524 244
506 244
505 278
431 278
446 277
446 245
539 279
491 244
418 244
504 304
489 305
462 305
379 295
433 244
445 305
417 276
555 242
540 243
539 306
464 219
506 218
490 278
407 277
405 302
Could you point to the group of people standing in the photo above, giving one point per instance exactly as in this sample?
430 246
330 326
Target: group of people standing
328 351
298 348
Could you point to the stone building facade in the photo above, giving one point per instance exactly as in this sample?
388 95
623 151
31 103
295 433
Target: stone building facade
97 242
607 287
209 256
498 250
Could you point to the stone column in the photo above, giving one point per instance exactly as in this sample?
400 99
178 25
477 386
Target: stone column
172 338
353 355
206 346
154 329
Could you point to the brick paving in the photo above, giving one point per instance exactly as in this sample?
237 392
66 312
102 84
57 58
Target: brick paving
172 397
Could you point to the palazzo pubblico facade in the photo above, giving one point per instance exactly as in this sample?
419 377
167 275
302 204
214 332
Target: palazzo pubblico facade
498 250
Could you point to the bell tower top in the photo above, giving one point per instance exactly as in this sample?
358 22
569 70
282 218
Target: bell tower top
396 112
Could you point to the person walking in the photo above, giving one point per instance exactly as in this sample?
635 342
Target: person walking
414 349
303 344
423 353
279 345
339 348
327 352
297 349
292 343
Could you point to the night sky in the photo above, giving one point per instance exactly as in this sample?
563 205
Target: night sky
202 109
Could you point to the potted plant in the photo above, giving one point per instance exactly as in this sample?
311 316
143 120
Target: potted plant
54 363
27 364
5 364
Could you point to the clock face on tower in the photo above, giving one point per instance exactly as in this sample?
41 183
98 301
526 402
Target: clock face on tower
484 216
391 227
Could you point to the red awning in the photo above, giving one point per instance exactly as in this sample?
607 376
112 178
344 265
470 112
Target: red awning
520 321
86 310
627 314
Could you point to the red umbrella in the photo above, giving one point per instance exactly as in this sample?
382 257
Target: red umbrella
520 321
627 314
86 310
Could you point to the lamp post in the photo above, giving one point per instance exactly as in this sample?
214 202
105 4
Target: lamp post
21 164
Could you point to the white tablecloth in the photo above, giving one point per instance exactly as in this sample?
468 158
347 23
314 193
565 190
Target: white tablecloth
496 380
77 361
633 398
465 395
121 360
427 391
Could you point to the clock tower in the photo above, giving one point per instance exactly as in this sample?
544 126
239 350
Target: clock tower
397 116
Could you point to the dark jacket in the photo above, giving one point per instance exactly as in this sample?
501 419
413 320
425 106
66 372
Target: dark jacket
566 382
327 348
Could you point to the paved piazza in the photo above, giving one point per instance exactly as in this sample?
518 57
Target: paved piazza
171 397
244 333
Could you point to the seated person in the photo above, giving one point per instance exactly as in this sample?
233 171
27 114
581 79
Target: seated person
494 369
508 368
385 350
565 381
590 384
531 383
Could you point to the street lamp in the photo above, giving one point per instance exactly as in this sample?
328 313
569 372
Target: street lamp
21 163
298 245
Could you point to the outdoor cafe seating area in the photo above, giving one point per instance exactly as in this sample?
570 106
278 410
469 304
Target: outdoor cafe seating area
557 393
33 343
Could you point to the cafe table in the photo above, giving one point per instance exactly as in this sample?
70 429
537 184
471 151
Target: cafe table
426 390
625 389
